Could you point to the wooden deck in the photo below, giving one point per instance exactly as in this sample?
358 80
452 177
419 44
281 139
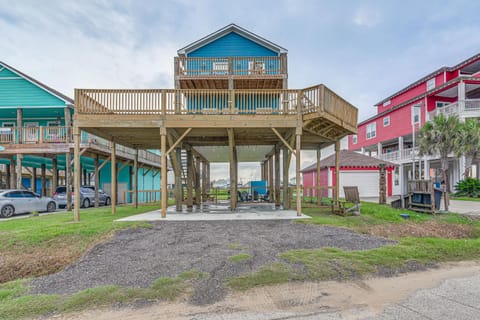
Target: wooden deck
181 119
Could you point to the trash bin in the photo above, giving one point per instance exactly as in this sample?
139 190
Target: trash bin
438 197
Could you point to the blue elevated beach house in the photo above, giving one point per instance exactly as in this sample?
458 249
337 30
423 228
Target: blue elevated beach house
230 103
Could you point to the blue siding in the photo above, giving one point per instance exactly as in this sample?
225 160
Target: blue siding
244 104
232 45
17 92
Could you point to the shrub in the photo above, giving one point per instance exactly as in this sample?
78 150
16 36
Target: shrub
469 187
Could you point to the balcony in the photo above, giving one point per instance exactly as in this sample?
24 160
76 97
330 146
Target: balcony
60 139
246 72
398 156
469 108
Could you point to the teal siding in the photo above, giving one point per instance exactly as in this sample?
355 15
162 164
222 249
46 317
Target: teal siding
18 92
232 45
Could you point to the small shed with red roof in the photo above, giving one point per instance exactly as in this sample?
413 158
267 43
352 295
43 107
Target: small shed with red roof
356 169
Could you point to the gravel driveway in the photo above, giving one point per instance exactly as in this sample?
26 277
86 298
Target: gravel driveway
136 257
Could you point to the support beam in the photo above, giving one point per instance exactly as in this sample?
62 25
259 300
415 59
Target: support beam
33 182
233 168
54 182
18 169
277 176
174 145
270 179
319 156
298 146
77 171
68 180
178 181
189 177
208 177
113 156
204 181
9 175
100 167
96 161
135 179
286 167
19 126
337 170
164 180
44 180
283 141
198 191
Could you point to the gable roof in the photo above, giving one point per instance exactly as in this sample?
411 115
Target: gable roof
43 86
431 75
226 30
349 159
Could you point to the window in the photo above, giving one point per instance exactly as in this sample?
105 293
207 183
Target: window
8 124
441 104
397 176
386 121
371 130
53 123
430 84
387 103
354 139
14 194
220 67
416 114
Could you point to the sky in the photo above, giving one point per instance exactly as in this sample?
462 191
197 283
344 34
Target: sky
363 50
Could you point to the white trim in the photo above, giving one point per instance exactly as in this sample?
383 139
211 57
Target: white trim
10 78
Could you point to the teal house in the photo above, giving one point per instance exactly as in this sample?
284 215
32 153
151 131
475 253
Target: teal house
36 145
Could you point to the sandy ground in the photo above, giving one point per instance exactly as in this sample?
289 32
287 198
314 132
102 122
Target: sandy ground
311 300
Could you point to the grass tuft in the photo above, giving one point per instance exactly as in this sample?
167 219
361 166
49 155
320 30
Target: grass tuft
240 257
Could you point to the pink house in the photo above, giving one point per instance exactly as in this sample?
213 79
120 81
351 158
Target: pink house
389 135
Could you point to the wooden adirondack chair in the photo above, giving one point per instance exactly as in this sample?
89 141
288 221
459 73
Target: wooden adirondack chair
351 203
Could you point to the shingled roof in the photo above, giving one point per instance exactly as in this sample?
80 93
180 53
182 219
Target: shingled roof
349 159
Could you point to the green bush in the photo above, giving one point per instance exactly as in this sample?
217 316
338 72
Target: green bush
469 187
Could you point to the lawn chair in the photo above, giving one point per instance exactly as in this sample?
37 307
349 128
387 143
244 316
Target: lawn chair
352 197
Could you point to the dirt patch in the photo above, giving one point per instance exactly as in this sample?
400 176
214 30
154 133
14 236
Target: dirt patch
136 257
427 229
53 256
308 300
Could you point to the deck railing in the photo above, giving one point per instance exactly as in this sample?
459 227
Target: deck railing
225 66
35 135
465 108
164 102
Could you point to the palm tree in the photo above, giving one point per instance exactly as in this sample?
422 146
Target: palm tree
440 137
468 143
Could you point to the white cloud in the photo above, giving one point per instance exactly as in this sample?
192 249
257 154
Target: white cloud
366 17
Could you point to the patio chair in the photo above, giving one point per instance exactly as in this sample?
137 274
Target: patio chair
351 203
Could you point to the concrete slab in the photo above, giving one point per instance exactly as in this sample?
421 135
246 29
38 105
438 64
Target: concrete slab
220 211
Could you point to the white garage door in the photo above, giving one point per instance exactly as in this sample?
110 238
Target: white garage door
366 181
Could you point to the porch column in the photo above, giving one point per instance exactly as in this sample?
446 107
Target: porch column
178 180
44 179
19 125
319 155
262 168
204 180
270 179
277 176
113 163
461 96
379 149
189 177
33 182
54 182
97 179
77 172
208 177
198 191
68 179
286 165
135 179
298 146
164 194
19 170
337 170
8 169
401 178
233 169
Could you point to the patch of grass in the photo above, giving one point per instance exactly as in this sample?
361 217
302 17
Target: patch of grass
45 244
465 198
193 274
240 257
15 306
268 275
